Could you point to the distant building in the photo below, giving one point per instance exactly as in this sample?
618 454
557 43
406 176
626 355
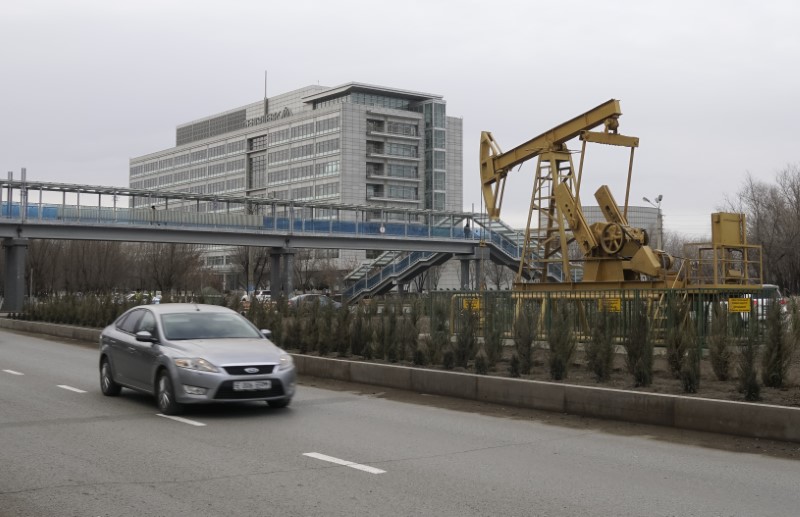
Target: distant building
353 144
646 217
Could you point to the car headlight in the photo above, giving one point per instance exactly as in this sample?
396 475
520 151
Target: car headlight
195 363
286 362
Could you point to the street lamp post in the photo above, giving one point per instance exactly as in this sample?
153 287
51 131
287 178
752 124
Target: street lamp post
659 219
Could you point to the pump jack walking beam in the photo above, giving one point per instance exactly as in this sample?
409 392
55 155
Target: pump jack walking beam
495 165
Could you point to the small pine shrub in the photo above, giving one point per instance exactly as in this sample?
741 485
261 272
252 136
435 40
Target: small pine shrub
294 335
690 371
514 366
748 367
778 349
466 339
600 349
525 335
481 362
448 359
639 348
493 339
439 332
341 333
420 356
674 341
719 349
561 342
369 351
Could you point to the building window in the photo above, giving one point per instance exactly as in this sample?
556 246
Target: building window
374 191
326 190
302 193
216 152
279 176
439 160
408 151
282 135
327 168
403 171
299 173
258 171
401 128
402 192
236 147
278 156
258 143
302 151
235 165
374 148
303 131
216 168
327 125
328 146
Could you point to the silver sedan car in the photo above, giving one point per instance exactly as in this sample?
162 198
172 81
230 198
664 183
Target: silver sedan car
192 353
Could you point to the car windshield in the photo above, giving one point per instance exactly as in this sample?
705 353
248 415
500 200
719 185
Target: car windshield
202 325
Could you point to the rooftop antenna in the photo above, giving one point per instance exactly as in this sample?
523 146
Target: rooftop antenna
266 102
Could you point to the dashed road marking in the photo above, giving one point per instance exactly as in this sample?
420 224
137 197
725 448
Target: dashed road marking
13 372
323 457
70 388
183 420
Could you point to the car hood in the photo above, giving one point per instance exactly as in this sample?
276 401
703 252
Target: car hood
223 352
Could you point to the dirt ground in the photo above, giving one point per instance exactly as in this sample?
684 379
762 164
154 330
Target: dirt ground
663 381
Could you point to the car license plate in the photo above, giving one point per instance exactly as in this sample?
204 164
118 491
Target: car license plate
251 385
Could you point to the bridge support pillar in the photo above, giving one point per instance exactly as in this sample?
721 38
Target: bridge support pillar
287 274
275 286
465 274
481 253
16 251
281 274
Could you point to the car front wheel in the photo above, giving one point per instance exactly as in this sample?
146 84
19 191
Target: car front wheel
107 384
165 395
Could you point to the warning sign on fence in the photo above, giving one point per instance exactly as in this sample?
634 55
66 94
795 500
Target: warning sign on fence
738 304
610 304
472 303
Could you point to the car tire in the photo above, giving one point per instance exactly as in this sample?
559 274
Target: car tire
278 404
165 395
107 384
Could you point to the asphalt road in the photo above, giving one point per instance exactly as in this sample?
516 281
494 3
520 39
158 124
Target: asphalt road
65 450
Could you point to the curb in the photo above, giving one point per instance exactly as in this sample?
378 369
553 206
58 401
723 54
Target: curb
700 414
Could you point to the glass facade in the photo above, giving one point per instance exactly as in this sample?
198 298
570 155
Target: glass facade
434 115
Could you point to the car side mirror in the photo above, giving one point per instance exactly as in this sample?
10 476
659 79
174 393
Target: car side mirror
145 337
266 333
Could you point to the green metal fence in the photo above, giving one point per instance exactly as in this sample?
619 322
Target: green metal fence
744 310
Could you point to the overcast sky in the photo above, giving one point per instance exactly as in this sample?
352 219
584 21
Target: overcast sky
710 87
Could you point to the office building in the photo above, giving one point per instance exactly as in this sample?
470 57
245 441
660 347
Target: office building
353 144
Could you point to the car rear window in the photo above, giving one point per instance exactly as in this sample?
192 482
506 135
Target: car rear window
200 325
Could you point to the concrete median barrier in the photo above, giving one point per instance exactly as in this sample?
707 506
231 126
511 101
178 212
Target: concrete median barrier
547 396
716 416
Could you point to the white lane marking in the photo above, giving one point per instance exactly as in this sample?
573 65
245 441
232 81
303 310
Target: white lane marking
323 457
182 420
12 372
70 388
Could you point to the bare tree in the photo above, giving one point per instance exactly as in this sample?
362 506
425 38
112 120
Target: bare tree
498 275
304 265
241 257
773 221
169 265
